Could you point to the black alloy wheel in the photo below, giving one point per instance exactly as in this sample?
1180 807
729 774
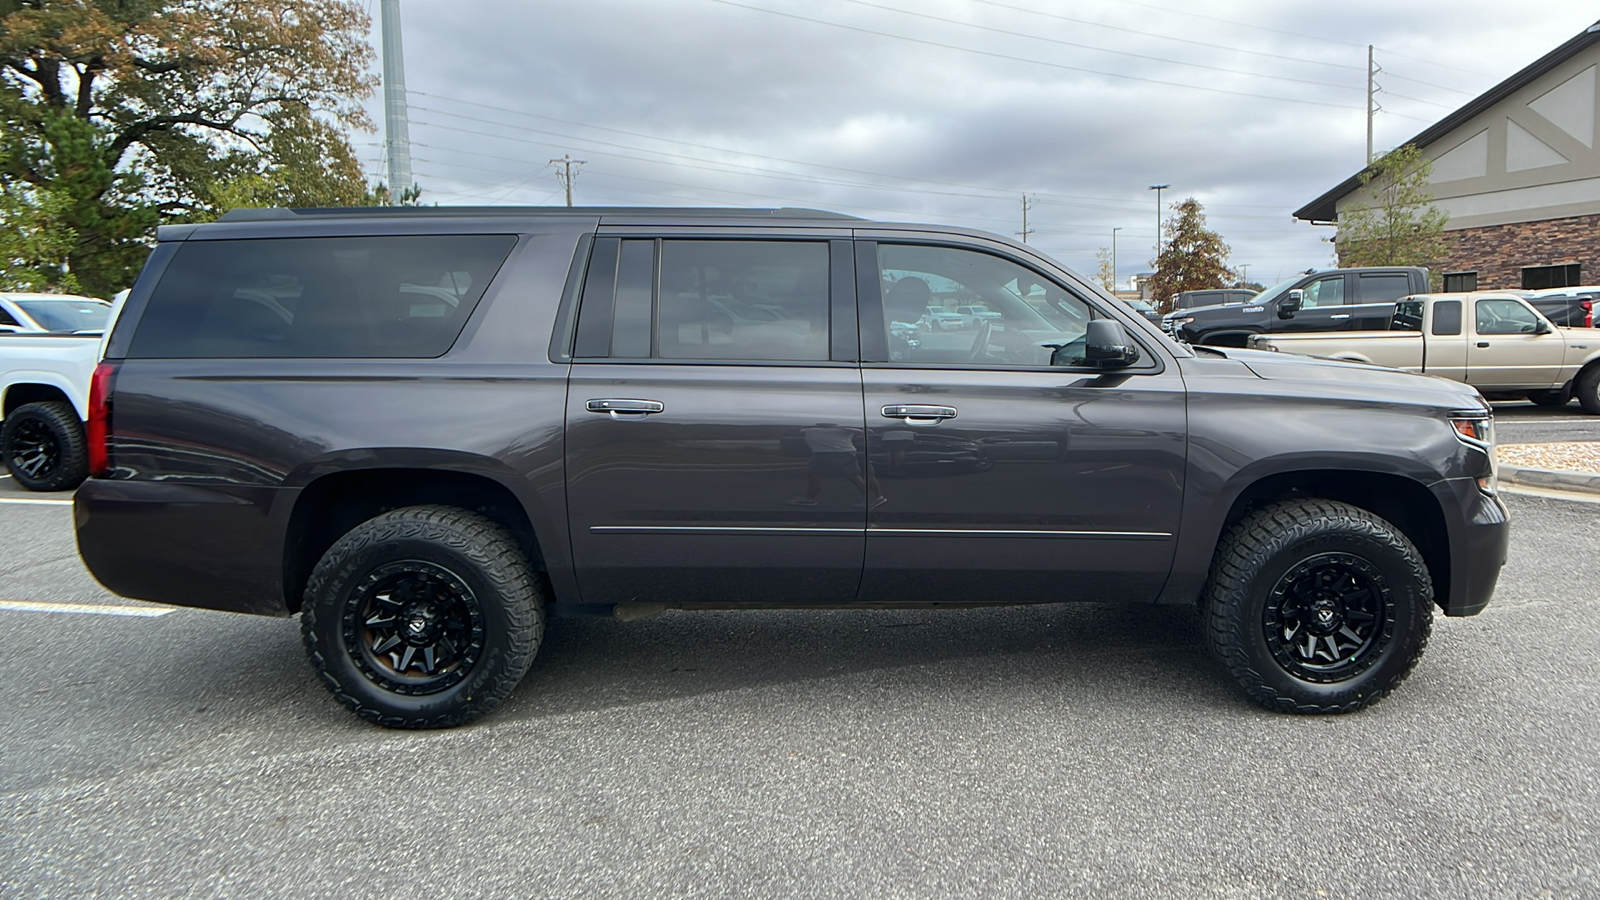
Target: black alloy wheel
1317 606
422 617
414 627
44 446
1328 617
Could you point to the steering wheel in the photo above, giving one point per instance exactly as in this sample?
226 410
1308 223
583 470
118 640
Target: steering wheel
980 344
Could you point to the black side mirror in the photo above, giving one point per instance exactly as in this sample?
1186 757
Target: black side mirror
1291 303
1542 328
1106 345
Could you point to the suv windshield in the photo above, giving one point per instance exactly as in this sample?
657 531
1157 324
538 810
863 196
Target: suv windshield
1271 293
67 314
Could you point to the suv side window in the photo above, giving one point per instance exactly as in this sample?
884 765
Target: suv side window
396 296
705 300
1028 312
6 319
1324 292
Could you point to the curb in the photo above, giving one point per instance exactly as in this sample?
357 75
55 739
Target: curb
1545 478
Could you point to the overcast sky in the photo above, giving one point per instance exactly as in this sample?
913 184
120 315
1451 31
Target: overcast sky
949 110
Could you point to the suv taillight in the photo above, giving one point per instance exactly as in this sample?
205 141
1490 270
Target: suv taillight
100 418
1588 313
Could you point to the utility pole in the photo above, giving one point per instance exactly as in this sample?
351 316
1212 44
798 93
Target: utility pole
1114 257
1027 203
1372 74
397 134
565 173
1158 188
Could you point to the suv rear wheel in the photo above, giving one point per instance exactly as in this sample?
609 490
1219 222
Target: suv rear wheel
423 617
44 446
1317 606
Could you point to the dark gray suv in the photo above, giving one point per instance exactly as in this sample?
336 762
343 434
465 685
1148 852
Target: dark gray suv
424 430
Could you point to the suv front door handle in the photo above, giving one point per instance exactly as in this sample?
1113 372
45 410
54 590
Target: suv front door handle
919 414
625 409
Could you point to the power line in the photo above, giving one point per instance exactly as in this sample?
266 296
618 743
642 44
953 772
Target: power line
1165 37
1037 62
1036 37
1066 198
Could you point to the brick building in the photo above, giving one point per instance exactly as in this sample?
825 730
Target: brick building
1518 171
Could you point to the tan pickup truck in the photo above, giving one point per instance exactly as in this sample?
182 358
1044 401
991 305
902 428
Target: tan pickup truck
1495 342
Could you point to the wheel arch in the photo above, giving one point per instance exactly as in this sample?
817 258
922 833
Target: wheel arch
36 390
332 504
1404 502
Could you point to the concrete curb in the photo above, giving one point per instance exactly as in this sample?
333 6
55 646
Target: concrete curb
1546 478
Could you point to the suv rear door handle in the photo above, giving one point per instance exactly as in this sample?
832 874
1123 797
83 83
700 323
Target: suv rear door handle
1340 316
625 409
918 414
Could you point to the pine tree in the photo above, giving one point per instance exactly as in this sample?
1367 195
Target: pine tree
1192 258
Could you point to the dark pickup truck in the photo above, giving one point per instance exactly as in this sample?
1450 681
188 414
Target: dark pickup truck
423 430
1332 300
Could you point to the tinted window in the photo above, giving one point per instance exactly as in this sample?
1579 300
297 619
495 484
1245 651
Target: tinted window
924 287
1383 288
1536 278
6 319
398 296
1447 317
757 300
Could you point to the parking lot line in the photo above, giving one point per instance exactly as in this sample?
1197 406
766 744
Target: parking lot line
1574 496
38 501
89 609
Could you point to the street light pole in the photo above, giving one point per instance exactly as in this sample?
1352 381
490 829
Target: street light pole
1158 188
1114 258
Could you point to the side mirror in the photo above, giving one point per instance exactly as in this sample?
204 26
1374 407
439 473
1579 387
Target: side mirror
1106 345
1291 303
1542 328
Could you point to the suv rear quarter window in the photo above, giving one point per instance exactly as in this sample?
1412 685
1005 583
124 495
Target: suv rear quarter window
385 297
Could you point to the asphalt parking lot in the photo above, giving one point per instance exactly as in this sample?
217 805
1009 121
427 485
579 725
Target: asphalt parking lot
1056 750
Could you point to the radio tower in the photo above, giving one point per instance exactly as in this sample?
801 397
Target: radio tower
397 134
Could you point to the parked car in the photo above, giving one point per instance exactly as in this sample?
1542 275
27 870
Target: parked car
972 315
22 313
1494 341
1144 308
1571 307
44 399
1357 299
1216 297
579 434
940 319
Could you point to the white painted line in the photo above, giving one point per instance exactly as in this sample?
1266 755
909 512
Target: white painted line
1574 496
37 501
90 609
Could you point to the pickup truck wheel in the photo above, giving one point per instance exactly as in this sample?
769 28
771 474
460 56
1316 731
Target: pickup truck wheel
44 446
1587 389
1317 606
1551 398
424 617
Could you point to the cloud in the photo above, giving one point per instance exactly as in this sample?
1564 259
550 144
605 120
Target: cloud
891 112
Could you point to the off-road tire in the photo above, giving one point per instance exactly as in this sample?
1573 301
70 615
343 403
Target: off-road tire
65 461
1556 399
459 575
1587 389
1247 590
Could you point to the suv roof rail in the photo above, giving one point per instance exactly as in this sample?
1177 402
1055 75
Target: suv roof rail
279 214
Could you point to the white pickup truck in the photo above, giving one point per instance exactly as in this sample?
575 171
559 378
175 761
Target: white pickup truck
1496 342
44 384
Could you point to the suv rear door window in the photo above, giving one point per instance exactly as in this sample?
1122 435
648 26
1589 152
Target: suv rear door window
708 300
387 297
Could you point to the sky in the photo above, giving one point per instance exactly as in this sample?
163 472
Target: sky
949 111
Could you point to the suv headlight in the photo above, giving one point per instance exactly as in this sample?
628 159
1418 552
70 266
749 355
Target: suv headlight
1475 428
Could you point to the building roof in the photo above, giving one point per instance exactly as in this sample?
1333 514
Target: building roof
1323 209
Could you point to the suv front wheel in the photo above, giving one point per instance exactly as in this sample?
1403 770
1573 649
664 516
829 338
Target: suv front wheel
1317 606
423 617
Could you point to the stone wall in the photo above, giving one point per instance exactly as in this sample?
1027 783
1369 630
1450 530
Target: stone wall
1499 252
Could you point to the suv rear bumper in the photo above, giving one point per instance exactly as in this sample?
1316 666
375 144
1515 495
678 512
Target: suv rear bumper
1480 536
192 545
